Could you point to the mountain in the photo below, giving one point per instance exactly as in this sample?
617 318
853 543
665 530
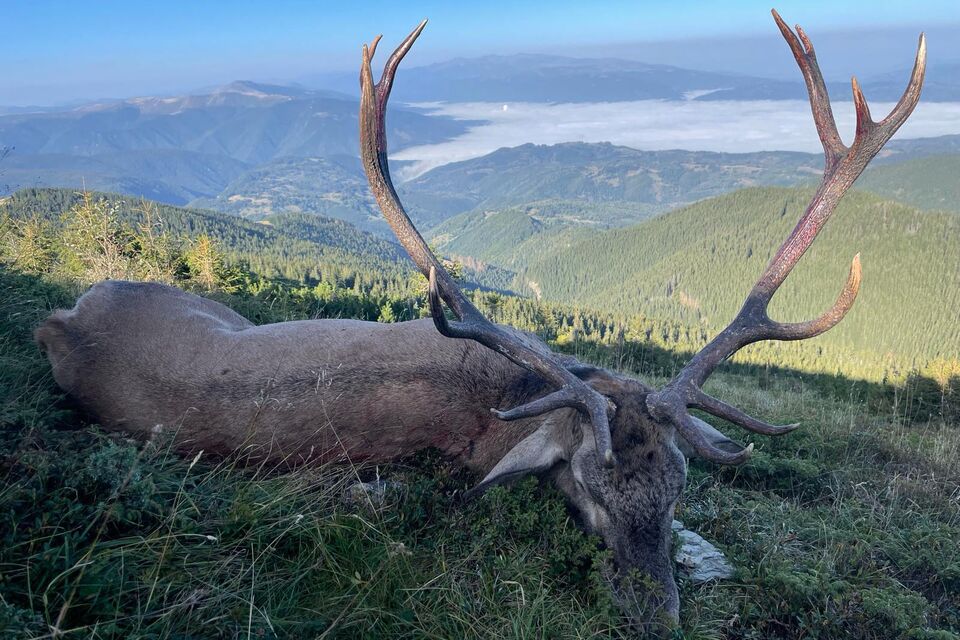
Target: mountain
166 175
900 150
535 189
638 182
547 78
573 184
245 122
608 185
334 187
178 149
508 238
941 83
697 263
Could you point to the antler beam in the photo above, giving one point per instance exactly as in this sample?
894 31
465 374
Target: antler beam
571 390
842 167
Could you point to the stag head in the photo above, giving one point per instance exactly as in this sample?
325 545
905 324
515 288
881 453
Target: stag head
610 443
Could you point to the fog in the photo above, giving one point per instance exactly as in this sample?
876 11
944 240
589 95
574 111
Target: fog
733 126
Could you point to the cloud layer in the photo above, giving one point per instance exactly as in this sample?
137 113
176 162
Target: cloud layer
732 126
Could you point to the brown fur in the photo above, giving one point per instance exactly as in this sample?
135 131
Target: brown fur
139 355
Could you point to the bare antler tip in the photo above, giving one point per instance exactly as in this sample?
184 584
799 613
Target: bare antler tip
418 30
371 50
608 460
748 450
859 101
853 282
780 21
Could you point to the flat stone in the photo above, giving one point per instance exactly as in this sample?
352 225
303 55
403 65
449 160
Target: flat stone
375 493
700 560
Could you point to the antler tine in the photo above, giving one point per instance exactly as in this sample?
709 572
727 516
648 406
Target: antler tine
842 167
829 318
571 391
802 48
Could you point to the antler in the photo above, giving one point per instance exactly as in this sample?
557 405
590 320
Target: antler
571 390
842 166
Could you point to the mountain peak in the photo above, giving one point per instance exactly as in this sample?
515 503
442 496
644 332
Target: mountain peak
262 91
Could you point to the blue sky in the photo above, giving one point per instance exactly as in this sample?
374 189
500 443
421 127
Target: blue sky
59 51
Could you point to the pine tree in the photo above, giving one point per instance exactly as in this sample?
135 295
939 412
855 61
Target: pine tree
205 263
97 245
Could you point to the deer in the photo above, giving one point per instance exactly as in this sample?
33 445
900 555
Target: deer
492 399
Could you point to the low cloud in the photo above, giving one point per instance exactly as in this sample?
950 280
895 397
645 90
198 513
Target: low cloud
732 126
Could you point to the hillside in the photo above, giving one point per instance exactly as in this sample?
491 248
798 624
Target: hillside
172 176
931 182
697 263
510 237
847 526
289 245
631 179
333 187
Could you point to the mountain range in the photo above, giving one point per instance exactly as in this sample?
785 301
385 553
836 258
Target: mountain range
256 149
547 78
575 184
177 149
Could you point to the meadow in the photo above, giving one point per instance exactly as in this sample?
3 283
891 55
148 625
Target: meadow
847 527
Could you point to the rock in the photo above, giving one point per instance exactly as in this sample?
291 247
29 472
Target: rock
700 560
375 493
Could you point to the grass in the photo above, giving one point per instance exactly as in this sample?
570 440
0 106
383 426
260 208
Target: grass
848 527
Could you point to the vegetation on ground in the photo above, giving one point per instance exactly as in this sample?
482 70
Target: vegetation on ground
844 528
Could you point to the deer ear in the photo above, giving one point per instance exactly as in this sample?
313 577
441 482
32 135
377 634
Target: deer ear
535 454
716 438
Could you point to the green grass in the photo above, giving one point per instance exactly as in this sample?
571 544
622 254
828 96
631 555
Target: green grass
845 528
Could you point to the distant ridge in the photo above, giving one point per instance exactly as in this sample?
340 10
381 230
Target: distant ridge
549 78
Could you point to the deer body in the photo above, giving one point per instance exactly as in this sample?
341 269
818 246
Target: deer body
138 355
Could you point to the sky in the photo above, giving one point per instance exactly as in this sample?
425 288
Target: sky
55 52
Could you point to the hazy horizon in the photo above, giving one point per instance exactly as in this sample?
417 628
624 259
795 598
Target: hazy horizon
62 54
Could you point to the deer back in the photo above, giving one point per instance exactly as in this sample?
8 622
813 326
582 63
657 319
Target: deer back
139 355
